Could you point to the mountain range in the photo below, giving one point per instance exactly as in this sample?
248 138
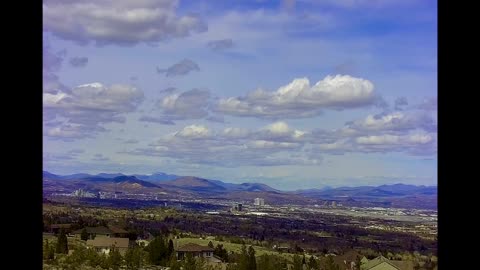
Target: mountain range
397 195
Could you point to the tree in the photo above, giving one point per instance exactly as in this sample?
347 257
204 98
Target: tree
115 258
297 262
330 264
134 258
210 244
157 251
244 259
48 251
170 248
312 263
252 263
189 263
62 243
84 235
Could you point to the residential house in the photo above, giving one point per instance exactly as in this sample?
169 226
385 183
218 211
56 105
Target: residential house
94 232
379 263
118 232
105 244
56 228
196 251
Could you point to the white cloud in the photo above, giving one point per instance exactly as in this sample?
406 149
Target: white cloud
123 22
300 99
194 131
83 109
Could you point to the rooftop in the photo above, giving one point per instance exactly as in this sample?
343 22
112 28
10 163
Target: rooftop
108 242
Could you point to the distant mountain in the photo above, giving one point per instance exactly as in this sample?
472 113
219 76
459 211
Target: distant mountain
109 175
397 195
50 175
397 190
192 183
156 177
123 179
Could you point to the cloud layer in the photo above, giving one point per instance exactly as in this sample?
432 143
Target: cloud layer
179 69
122 22
299 99
82 110
279 144
220 44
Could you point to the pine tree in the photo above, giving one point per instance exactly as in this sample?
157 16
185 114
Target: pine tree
252 263
189 263
312 263
170 248
297 262
62 243
244 259
84 235
210 244
330 264
134 258
115 258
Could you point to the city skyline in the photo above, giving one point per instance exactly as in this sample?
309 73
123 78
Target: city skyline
293 94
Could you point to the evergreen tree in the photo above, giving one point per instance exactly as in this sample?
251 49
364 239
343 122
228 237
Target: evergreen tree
189 263
84 235
62 243
157 251
210 244
330 264
243 261
134 258
252 262
115 258
297 262
174 263
312 263
170 248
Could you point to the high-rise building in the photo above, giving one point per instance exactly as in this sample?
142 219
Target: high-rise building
259 201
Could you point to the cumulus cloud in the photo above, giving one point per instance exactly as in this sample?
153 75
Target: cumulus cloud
395 121
231 146
122 22
78 61
194 132
180 69
190 104
220 44
299 99
84 108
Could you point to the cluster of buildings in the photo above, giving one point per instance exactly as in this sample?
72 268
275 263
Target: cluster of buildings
84 194
259 202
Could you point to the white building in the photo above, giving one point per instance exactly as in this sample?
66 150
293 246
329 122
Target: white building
259 201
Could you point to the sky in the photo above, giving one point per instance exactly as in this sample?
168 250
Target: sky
294 94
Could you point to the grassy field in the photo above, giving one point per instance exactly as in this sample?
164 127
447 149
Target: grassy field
259 251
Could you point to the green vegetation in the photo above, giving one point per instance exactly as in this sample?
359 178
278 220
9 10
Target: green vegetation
62 243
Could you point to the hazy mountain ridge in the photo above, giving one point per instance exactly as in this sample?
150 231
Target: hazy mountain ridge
396 195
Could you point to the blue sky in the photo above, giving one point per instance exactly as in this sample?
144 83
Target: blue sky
294 94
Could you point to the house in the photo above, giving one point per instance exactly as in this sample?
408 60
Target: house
118 232
196 251
94 232
379 263
105 244
56 228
